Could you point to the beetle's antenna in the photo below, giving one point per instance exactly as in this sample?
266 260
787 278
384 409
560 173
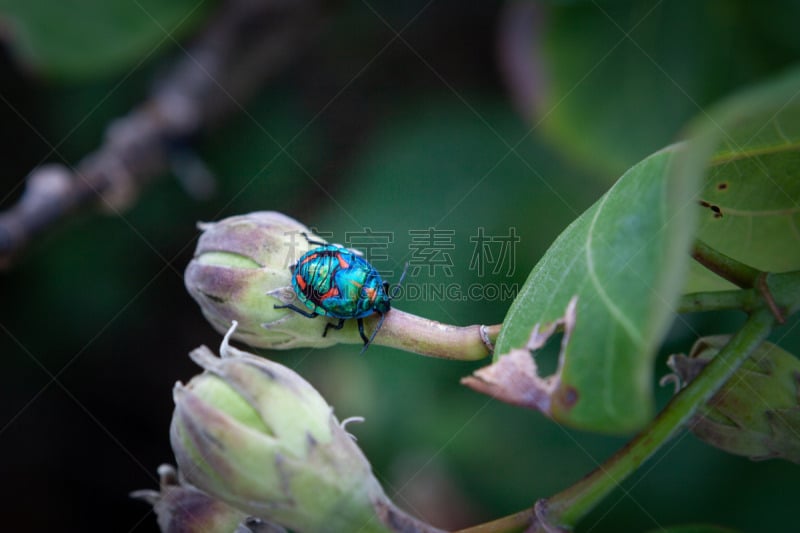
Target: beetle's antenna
399 283
371 337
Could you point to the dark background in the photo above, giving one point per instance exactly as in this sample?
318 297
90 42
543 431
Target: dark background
395 134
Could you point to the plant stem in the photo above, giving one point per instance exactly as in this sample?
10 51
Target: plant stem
726 267
565 509
394 519
570 505
740 299
737 273
512 523
416 334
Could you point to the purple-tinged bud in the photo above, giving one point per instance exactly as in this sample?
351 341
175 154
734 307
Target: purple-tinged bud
257 436
757 412
240 271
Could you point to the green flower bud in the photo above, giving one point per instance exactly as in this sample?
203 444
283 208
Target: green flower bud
757 412
256 435
181 508
240 271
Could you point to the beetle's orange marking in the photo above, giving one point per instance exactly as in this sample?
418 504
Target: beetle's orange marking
342 262
300 282
333 291
309 258
371 293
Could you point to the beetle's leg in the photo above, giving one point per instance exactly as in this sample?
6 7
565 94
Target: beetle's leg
375 332
309 241
330 325
309 314
361 332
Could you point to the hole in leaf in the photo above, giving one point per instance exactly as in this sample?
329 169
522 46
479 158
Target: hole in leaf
547 357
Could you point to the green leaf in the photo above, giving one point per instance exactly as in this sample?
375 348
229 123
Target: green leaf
624 260
89 38
751 196
617 80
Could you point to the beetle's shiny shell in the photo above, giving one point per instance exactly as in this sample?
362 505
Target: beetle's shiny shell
335 282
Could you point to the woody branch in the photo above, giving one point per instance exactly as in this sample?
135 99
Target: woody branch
246 42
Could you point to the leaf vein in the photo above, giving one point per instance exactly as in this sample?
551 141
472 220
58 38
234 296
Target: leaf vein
615 311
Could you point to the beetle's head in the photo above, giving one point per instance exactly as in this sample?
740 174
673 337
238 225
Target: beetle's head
382 302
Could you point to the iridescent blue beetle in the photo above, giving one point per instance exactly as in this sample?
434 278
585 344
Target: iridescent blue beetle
336 282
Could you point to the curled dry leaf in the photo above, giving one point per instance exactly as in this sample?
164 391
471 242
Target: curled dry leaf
514 378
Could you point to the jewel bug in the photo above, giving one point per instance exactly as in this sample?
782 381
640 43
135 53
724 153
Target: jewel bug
336 282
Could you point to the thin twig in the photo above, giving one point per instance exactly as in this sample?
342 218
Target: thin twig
763 288
245 42
737 273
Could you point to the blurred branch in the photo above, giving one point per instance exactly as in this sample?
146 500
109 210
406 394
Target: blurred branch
245 42
518 42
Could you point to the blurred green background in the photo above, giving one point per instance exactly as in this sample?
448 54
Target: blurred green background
493 115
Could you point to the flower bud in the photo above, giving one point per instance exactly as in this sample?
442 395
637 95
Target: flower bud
240 271
757 412
257 436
